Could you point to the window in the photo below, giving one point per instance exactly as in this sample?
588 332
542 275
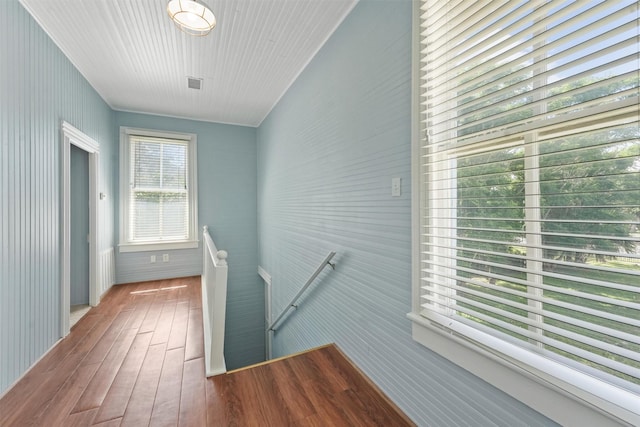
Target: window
158 190
527 228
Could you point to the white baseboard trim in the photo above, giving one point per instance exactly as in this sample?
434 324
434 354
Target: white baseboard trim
24 374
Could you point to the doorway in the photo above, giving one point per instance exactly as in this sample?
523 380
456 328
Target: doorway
72 137
79 237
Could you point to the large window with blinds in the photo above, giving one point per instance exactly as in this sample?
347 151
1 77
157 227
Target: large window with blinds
158 194
528 200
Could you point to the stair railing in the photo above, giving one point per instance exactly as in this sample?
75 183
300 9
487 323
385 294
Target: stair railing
214 304
292 304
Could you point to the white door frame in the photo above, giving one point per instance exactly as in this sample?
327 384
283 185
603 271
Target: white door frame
72 136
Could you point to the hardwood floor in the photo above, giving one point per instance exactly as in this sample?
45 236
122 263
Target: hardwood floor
137 359
320 387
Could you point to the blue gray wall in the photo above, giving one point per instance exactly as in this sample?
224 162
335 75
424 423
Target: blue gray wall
326 157
39 88
227 204
79 212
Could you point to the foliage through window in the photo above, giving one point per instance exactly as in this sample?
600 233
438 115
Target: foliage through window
530 178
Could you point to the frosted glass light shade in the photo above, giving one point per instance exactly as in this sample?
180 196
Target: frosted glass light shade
192 16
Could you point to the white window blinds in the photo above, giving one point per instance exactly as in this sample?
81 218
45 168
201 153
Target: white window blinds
531 174
159 190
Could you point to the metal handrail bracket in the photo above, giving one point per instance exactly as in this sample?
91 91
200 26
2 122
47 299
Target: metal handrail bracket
323 264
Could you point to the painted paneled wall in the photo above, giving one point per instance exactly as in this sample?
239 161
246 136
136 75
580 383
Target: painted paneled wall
326 158
39 88
227 204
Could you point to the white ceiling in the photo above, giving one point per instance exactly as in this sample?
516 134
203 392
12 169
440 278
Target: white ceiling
138 60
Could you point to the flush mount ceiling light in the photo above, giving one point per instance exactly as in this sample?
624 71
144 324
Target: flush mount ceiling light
192 16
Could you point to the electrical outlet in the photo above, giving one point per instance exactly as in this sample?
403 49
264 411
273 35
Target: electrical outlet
165 257
396 184
153 259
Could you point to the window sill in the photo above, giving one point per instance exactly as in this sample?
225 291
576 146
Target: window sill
558 398
157 246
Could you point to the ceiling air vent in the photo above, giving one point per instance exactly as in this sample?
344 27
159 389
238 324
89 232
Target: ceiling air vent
194 83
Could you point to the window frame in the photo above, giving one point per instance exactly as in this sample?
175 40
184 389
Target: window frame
562 394
125 243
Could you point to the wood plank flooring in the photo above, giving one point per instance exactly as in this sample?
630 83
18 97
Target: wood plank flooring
138 359
320 387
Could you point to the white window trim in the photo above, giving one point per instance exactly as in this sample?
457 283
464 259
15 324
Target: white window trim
563 395
192 241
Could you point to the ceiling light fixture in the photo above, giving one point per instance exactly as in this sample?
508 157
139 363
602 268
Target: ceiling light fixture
192 16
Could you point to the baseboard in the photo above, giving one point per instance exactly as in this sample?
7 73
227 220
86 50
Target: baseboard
12 385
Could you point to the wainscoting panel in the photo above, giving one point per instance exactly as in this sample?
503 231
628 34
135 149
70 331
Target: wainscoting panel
138 267
107 270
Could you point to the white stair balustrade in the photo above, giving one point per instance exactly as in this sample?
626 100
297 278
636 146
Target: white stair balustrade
214 303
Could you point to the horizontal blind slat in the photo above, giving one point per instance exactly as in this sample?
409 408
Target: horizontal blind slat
159 196
469 304
523 258
513 97
542 339
533 285
544 247
615 333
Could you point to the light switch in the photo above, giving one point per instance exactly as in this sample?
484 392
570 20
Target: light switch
396 184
